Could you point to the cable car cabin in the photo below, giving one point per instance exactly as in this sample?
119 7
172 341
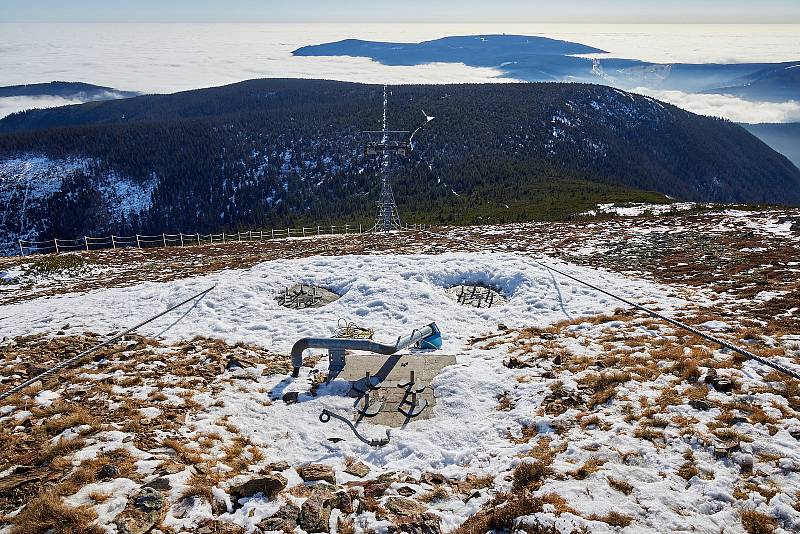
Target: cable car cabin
399 148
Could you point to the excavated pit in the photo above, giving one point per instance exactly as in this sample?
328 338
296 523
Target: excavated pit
303 296
476 295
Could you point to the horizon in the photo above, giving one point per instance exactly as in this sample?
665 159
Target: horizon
411 11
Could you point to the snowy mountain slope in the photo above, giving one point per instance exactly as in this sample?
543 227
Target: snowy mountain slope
36 192
561 409
288 152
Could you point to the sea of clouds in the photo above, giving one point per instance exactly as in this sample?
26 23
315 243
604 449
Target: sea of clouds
161 58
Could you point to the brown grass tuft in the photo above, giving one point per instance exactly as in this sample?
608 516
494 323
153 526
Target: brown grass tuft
48 513
613 518
620 485
755 522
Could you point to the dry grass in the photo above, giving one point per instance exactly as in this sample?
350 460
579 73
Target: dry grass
499 513
620 485
504 402
199 486
530 475
344 525
437 494
99 496
48 513
592 465
613 518
60 449
755 522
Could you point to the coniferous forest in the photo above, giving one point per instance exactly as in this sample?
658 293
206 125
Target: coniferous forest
268 153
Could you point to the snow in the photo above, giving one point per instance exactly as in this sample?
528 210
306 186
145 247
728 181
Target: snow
636 209
46 398
29 181
468 434
395 293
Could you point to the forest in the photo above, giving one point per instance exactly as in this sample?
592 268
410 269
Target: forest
275 152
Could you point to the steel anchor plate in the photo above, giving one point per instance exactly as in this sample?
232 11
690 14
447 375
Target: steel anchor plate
414 409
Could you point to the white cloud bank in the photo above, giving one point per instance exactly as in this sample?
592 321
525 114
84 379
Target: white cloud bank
164 58
13 104
729 107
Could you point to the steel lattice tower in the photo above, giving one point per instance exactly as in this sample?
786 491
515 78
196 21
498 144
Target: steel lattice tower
388 217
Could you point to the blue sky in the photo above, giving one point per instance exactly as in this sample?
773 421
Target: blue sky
601 11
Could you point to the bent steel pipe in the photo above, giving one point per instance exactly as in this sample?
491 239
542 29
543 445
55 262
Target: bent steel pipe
366 345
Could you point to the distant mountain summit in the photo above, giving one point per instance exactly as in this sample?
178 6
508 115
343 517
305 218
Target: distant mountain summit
68 90
540 59
476 50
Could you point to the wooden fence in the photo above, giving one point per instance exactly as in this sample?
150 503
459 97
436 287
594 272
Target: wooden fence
113 242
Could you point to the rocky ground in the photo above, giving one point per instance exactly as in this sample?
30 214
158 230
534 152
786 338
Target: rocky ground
580 416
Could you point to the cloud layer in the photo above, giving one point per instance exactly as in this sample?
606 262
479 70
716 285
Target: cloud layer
729 107
164 58
12 104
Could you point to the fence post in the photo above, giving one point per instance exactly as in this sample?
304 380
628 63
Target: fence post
212 238
304 231
223 237
21 250
164 237
360 231
181 234
331 229
55 242
345 229
288 233
317 230
138 244
113 244
273 232
86 242
198 239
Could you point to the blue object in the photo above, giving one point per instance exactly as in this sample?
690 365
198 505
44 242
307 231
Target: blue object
433 341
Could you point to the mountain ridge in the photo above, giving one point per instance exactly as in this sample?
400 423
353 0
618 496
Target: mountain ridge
282 151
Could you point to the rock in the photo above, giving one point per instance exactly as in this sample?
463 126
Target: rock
404 507
723 385
435 479
185 505
219 505
145 509
372 488
406 491
421 525
160 484
516 363
291 397
711 376
315 513
357 469
387 477
699 404
314 472
284 519
276 467
170 467
269 485
474 495
343 501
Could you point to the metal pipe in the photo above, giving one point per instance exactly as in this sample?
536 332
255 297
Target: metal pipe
357 344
